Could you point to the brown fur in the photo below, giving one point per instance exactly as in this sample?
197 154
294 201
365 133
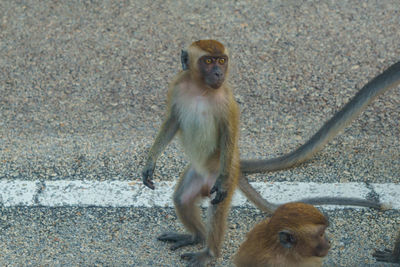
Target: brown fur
210 46
206 117
262 246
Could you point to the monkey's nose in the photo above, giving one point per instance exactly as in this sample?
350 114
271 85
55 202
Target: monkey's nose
218 74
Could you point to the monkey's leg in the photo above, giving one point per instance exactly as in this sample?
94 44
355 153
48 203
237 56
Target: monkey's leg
217 217
186 194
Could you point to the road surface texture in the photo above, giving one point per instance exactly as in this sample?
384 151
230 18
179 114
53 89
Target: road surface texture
82 94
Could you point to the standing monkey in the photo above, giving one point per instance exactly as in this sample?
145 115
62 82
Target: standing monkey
202 109
389 256
293 237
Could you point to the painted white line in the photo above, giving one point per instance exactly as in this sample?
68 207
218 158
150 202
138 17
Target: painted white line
388 194
79 193
87 193
17 192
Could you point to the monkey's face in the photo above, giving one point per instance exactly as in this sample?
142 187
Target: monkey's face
317 244
213 69
323 245
308 241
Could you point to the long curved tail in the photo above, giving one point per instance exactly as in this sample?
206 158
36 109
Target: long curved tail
388 79
255 197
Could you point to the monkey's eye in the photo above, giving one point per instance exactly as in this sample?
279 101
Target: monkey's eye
208 60
221 61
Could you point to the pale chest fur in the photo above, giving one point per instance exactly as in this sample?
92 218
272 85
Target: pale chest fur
199 131
198 126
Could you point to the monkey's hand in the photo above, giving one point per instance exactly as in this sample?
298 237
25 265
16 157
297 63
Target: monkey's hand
147 174
220 191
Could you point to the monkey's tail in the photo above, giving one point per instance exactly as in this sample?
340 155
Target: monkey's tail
255 197
346 201
388 79
268 207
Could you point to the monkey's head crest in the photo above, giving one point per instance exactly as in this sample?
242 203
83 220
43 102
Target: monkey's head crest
210 46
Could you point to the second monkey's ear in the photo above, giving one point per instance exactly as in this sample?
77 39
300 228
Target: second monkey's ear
286 238
185 59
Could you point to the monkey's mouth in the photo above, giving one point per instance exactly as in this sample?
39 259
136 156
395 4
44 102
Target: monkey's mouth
215 84
214 81
322 253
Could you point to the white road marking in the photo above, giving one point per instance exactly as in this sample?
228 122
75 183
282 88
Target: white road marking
64 193
17 192
388 194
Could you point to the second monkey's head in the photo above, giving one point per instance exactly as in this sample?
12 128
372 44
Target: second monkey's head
207 61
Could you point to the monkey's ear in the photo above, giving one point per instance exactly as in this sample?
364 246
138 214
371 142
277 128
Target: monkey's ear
185 59
286 238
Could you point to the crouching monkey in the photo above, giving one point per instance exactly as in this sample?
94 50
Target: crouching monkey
293 237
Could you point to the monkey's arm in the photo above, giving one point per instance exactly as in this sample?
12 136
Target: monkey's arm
388 79
167 131
389 256
225 158
227 148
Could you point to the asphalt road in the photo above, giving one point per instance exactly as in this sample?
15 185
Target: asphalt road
127 236
82 95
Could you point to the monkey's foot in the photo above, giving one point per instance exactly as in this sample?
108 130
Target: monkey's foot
385 256
180 240
197 259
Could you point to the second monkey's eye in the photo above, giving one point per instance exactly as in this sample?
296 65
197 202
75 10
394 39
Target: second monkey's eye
208 60
221 61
